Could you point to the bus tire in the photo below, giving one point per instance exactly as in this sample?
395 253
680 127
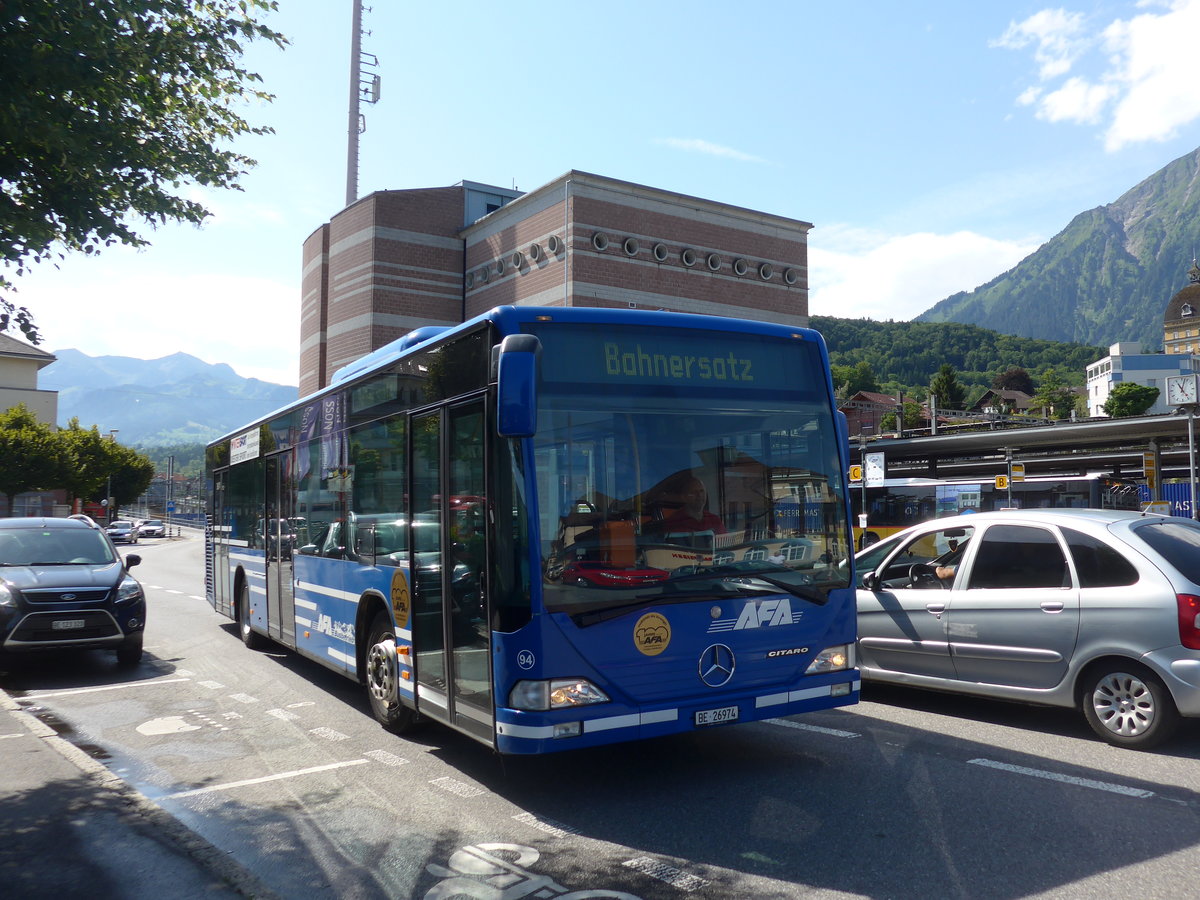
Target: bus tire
251 638
382 678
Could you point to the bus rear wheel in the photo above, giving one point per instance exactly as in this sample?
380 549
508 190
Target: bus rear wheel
382 678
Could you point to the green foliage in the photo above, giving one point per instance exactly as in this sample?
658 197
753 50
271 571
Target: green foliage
33 458
1128 399
1014 378
1054 397
907 355
849 380
913 417
945 387
189 458
113 112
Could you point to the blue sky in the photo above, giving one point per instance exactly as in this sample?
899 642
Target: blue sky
932 144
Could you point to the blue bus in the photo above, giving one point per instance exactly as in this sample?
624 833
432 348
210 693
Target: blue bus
553 528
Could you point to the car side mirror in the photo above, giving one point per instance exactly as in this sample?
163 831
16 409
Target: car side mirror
870 581
132 560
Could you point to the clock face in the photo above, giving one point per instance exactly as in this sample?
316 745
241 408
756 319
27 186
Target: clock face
1181 389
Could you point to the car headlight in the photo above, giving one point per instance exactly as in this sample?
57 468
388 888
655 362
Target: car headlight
128 590
556 693
6 597
832 659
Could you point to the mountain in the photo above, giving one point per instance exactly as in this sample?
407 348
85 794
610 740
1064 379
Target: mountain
1107 277
177 399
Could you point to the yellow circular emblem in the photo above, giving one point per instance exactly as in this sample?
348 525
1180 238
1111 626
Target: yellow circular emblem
401 604
652 634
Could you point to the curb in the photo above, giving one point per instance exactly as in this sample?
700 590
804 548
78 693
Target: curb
134 802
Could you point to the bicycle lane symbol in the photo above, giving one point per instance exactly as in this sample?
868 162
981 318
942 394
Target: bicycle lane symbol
497 871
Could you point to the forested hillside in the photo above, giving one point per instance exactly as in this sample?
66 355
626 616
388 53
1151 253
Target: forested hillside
906 355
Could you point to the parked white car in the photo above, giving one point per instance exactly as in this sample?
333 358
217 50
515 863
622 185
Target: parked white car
1093 609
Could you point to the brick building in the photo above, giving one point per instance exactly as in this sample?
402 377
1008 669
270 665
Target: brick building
399 260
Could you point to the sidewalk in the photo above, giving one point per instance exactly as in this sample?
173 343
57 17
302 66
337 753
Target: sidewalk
71 828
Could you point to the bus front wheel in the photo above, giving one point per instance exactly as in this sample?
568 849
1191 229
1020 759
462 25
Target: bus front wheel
382 686
251 638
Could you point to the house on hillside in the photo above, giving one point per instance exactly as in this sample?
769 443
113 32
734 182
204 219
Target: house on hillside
19 367
1003 403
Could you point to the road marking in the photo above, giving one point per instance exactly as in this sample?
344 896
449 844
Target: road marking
229 785
1065 779
211 685
6 736
166 725
107 687
243 698
800 726
282 714
460 788
557 829
388 759
666 873
329 734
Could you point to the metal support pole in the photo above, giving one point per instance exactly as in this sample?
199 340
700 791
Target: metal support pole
1191 414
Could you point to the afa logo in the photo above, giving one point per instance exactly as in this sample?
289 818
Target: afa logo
652 634
342 631
401 602
759 614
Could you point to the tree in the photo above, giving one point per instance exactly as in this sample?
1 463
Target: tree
32 456
849 380
914 417
1129 399
113 111
1054 397
131 474
89 460
1014 378
946 389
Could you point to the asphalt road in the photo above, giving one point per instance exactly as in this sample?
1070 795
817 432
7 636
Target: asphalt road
278 762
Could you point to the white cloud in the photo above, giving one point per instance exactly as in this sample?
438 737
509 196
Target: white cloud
1075 101
696 145
859 274
1057 36
1140 88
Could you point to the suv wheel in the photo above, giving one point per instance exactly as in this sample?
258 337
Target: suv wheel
128 657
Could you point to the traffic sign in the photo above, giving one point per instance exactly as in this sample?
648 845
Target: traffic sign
1001 482
1017 471
856 473
1150 469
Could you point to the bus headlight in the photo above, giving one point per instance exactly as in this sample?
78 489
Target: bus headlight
557 693
832 659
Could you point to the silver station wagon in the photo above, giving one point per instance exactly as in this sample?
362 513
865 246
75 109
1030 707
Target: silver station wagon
1097 610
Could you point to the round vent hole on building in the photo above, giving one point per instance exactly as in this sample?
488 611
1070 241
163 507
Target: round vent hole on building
600 241
660 252
714 262
688 257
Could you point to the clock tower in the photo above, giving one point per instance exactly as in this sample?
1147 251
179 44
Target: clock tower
1181 322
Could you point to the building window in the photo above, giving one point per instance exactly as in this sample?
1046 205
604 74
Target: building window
1187 310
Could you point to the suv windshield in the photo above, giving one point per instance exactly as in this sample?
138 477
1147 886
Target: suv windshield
53 547
696 466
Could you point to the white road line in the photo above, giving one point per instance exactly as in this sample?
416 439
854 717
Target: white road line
557 829
1065 779
211 685
388 759
107 687
329 734
243 698
266 778
677 878
800 726
282 714
460 788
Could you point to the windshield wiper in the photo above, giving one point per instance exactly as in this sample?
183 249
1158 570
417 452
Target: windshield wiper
723 574
603 614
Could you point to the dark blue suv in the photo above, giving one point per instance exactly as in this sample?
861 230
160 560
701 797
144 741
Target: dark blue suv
63 586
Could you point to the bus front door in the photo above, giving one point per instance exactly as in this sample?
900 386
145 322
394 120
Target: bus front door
280 542
451 609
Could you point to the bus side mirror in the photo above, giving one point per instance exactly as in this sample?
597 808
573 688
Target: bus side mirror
516 385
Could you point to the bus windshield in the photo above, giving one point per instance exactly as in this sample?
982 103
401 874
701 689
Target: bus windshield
662 492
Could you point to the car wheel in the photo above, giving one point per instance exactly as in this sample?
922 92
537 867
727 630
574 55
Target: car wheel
128 657
382 678
1129 707
251 638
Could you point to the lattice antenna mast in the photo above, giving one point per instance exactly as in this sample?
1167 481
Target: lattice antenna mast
364 88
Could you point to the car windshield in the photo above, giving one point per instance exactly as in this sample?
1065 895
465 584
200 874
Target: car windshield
53 547
665 488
